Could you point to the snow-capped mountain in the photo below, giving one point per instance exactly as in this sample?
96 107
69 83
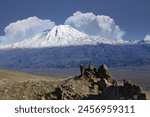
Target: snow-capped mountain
62 35
64 46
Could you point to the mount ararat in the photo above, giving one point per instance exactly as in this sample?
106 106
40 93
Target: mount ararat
64 46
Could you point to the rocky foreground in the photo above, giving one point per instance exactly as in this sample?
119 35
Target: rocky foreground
93 84
98 85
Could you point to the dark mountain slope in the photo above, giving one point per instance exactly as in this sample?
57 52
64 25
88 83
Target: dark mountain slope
72 56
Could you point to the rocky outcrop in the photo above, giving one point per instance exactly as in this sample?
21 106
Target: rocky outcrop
104 73
131 91
98 85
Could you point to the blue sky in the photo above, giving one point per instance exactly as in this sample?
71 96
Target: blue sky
132 16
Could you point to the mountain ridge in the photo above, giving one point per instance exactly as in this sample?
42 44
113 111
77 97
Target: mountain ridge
72 56
64 47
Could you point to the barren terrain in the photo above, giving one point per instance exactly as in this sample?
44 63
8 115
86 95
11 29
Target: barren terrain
32 86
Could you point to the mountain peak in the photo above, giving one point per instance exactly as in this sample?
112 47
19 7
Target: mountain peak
61 35
64 32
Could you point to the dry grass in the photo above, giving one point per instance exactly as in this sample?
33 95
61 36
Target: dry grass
19 85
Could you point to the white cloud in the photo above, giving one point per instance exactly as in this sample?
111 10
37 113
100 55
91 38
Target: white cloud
88 23
93 25
147 38
26 28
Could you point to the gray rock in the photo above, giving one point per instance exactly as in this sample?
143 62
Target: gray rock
104 73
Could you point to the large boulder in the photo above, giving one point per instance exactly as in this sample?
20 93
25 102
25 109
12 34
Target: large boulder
104 73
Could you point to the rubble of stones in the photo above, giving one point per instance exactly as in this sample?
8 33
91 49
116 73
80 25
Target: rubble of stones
96 84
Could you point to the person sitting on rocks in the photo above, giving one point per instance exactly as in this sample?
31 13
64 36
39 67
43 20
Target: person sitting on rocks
81 69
